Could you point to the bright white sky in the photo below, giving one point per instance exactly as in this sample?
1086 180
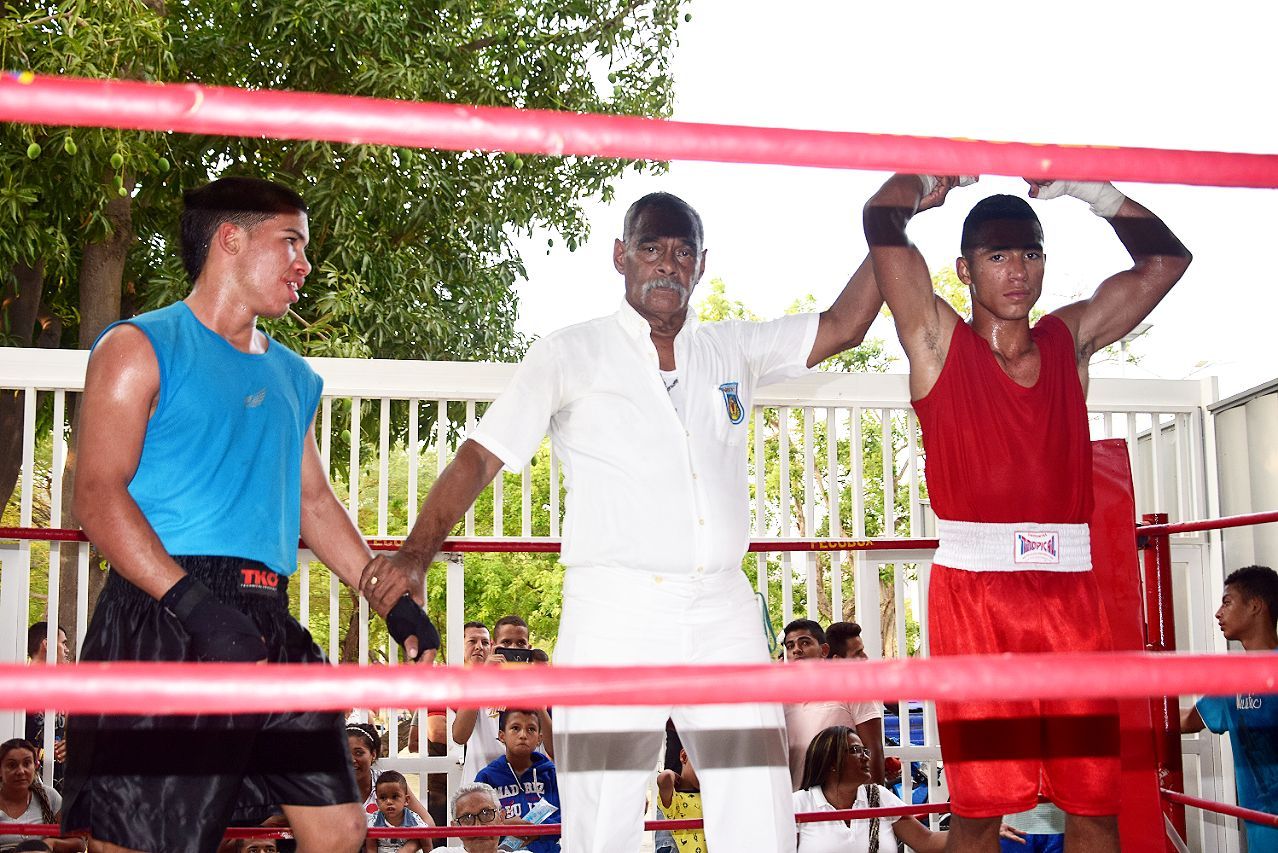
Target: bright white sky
1163 75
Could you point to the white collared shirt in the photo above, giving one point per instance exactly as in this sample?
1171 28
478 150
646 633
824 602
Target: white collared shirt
647 489
835 836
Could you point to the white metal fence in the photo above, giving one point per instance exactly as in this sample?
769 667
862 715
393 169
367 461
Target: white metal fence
832 454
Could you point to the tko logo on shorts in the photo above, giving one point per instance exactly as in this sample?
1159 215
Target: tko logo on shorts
1037 546
263 580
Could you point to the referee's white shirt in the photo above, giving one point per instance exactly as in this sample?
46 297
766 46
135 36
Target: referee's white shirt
647 488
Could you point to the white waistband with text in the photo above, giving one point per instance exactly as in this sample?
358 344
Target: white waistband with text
977 546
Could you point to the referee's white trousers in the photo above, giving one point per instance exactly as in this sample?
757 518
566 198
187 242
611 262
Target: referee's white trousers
606 756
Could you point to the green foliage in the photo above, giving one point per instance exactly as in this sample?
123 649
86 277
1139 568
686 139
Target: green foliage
413 249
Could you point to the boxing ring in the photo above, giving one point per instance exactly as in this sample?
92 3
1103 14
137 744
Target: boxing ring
801 407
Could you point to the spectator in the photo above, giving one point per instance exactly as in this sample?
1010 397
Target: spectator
365 749
844 639
1248 614
523 777
38 655
476 728
511 632
392 810
476 804
836 775
259 845
679 798
24 800
805 642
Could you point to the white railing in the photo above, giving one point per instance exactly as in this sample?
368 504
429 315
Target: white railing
818 440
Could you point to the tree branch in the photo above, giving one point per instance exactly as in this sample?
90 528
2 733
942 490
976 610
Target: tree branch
568 35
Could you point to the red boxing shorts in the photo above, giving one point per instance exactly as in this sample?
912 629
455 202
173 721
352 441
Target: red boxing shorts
999 754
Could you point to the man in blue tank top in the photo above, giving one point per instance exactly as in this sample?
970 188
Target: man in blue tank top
1248 614
197 473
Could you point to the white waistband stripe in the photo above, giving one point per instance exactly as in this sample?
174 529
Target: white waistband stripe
976 546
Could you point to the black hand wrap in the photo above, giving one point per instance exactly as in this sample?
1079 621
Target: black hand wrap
406 619
218 632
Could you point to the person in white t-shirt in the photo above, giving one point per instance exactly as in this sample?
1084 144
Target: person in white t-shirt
648 409
804 642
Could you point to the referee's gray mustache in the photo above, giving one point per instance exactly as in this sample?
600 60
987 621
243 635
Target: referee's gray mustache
665 284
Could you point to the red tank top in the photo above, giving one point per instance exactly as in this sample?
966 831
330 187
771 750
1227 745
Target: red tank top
999 452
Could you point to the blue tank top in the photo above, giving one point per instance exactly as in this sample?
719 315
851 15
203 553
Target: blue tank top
221 466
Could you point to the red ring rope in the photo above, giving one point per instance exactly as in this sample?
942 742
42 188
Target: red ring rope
1264 818
51 829
1246 520
191 108
498 545
190 688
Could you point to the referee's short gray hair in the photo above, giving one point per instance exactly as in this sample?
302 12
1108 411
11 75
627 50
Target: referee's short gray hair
474 788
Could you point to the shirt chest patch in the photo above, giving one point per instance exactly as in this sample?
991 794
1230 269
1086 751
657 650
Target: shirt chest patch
732 402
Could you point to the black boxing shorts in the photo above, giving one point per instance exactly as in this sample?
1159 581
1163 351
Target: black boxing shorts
173 783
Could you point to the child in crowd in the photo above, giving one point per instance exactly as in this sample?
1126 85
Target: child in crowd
679 797
392 810
523 777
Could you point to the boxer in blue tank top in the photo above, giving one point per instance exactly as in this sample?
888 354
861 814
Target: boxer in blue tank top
197 473
1248 614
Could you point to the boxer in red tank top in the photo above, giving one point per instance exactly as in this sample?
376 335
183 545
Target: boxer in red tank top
1002 406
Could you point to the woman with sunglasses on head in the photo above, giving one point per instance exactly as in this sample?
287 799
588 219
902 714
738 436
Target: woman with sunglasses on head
23 799
836 776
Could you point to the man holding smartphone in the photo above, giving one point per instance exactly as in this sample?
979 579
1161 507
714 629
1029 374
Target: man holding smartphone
476 728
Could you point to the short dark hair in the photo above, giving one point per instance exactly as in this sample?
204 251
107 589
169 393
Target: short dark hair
668 201
540 656
504 715
244 202
512 619
386 777
838 634
992 209
813 628
36 635
825 756
1257 582
474 625
31 845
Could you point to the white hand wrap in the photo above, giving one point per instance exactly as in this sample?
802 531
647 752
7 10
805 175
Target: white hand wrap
930 181
1104 198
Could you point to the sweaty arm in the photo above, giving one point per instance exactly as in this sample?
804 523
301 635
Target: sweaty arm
120 390
1124 299
471 470
924 321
